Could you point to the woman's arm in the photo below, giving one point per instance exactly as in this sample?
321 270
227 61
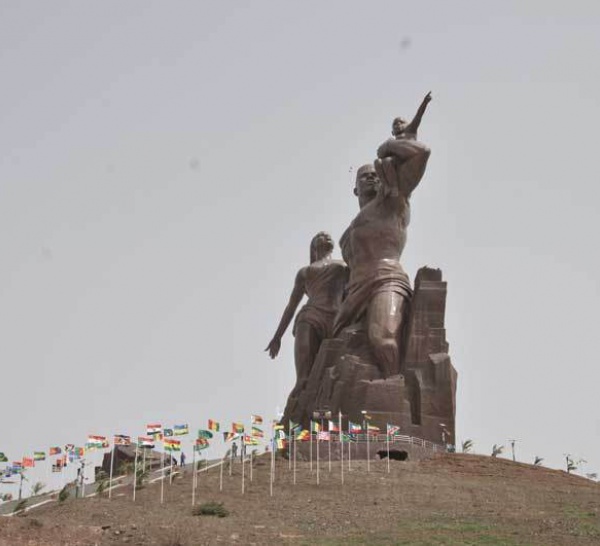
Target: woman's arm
295 299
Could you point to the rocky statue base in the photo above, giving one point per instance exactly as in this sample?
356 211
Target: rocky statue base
421 400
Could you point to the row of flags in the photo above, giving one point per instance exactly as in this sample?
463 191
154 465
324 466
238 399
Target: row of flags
155 432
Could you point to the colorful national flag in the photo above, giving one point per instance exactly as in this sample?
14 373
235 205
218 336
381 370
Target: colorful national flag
315 426
167 433
122 440
228 436
54 451
3 458
153 429
303 435
280 443
295 428
354 427
57 467
256 419
237 427
75 453
213 425
96 442
171 444
181 430
372 429
146 442
39 455
323 436
206 434
333 426
200 444
69 447
257 433
250 441
278 426
392 429
28 462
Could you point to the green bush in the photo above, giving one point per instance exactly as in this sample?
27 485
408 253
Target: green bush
63 494
211 509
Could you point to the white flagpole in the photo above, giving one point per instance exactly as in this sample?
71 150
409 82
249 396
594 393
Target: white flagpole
231 458
329 451
318 458
221 474
135 470
193 475
272 476
171 469
243 468
341 446
144 460
295 450
388 448
162 481
368 450
368 453
289 445
311 442
110 475
250 465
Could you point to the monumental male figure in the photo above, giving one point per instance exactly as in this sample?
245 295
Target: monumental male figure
379 289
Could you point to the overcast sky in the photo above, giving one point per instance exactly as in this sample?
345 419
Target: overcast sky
164 165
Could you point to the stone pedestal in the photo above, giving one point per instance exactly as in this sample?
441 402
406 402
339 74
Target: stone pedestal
345 376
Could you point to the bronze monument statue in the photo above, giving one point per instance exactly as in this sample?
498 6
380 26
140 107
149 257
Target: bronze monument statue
372 245
383 348
323 282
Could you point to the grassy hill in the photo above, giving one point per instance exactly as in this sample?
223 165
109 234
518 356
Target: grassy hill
450 499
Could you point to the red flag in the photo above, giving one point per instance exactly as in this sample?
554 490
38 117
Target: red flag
28 462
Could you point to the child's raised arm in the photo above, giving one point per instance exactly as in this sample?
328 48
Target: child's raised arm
413 126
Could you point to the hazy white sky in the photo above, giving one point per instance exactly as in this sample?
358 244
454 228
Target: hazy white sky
164 166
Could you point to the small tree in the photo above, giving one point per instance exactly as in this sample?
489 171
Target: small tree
140 477
20 507
497 450
467 445
64 493
36 489
101 483
571 466
537 461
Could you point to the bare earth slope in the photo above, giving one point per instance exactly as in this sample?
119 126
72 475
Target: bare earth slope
450 499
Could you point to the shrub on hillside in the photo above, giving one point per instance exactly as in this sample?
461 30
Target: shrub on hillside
211 509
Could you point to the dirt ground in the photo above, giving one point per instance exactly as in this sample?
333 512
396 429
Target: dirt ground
451 499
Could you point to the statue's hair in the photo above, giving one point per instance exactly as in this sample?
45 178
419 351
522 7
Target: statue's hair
313 244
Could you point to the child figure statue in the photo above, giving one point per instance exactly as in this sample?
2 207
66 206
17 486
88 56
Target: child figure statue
395 152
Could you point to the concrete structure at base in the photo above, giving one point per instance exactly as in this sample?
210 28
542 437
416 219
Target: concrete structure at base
421 399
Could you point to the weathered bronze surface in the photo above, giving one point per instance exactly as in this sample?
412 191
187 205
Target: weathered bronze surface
323 282
383 354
